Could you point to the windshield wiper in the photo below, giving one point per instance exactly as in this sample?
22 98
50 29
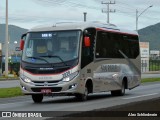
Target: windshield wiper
39 59
55 56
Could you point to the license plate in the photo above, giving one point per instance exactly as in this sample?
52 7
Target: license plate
46 91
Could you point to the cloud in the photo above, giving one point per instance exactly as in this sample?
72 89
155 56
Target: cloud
35 12
51 3
46 17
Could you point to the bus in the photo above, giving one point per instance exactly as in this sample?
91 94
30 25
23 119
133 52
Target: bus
78 59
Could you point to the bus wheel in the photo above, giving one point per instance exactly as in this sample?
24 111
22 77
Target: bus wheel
82 97
122 91
119 92
37 98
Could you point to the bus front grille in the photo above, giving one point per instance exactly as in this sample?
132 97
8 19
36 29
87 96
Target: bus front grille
37 71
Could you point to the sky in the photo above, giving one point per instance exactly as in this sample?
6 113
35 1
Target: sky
30 13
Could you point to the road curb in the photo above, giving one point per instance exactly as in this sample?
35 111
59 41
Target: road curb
152 72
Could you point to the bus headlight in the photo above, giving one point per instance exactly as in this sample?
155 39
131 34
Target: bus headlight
25 79
70 77
115 76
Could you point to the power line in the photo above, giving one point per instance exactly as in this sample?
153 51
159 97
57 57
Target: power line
126 13
127 5
68 3
132 14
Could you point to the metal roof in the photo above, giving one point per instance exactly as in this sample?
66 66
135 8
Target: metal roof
79 26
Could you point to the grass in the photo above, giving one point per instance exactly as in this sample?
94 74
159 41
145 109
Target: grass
154 67
10 92
150 80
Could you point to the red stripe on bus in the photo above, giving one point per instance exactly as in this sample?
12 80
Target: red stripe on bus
47 74
114 31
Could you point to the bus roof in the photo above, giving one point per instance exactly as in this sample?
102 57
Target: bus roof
81 26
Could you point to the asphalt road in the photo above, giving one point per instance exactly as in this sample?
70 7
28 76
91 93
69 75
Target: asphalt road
97 101
15 83
9 83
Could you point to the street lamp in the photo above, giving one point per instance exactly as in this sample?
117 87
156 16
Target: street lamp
1 57
6 41
15 42
137 16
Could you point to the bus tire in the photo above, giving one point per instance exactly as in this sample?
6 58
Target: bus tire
119 92
37 98
83 97
122 91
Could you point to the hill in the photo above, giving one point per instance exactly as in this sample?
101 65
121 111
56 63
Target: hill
15 33
151 34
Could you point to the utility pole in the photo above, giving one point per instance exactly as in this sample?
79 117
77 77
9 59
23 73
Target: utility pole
108 9
85 16
6 41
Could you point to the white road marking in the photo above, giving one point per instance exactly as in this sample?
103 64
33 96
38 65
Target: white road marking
140 96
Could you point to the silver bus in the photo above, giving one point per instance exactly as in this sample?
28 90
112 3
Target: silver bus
79 59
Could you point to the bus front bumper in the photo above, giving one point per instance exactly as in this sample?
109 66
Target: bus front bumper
62 88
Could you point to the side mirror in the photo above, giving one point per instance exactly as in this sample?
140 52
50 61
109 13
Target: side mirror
21 44
87 42
23 37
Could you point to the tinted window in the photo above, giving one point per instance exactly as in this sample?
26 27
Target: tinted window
116 45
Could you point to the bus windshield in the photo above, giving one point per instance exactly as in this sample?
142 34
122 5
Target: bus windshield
51 47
